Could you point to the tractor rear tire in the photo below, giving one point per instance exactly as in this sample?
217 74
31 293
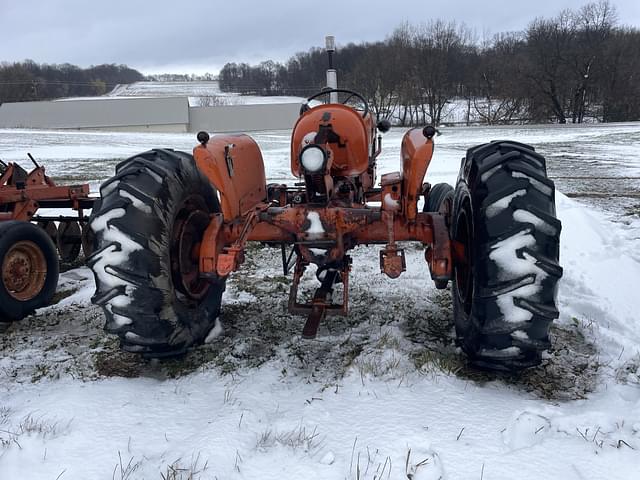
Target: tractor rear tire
147 226
28 269
504 289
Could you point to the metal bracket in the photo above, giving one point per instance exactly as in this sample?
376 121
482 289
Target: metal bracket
321 305
392 261
286 259
228 158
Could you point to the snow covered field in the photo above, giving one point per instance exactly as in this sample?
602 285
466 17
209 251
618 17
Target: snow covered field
383 394
195 91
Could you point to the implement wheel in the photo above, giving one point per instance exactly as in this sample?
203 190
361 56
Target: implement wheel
148 227
504 288
29 269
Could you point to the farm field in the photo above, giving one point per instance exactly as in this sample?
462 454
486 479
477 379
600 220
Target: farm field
384 393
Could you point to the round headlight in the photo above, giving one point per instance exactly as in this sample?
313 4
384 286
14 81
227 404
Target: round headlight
313 158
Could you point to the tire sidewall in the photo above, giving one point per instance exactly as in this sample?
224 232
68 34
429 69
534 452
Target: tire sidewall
466 330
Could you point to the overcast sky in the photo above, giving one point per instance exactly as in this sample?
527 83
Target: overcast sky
198 36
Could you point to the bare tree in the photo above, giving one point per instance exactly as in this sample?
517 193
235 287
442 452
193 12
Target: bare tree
548 41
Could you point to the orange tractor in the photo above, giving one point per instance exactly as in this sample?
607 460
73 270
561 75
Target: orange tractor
171 228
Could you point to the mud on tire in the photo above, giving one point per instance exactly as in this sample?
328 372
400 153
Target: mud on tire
151 216
504 290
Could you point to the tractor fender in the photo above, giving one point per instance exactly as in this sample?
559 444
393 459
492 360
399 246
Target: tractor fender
416 153
234 165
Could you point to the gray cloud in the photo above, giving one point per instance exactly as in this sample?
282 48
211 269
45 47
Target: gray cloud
191 35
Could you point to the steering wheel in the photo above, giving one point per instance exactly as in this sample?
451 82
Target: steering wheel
351 94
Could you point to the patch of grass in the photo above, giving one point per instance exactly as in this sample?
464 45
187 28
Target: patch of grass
351 352
125 470
633 211
379 365
29 425
568 371
297 439
180 471
39 426
387 341
194 360
431 362
115 363
369 464
5 414
40 371
629 372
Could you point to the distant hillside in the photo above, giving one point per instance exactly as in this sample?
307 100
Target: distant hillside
30 81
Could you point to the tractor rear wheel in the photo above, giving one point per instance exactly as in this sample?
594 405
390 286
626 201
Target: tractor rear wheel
148 227
29 269
504 288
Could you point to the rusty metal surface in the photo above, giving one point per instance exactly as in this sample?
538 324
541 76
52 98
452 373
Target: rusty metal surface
350 152
20 192
185 243
342 229
321 300
24 270
327 213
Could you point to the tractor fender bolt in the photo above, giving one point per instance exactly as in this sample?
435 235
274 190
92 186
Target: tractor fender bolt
203 138
429 131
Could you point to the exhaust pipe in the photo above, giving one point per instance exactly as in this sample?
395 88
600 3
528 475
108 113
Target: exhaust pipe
332 77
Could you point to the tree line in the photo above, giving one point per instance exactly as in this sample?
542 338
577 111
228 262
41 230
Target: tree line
580 65
30 81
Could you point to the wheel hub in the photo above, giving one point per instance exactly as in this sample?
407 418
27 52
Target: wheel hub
189 229
24 270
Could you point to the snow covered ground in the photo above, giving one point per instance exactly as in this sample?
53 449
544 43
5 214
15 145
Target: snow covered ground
383 394
195 91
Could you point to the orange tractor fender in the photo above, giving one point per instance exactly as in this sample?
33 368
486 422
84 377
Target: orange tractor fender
415 154
234 165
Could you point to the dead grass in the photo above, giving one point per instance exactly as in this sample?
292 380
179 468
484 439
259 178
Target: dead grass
569 369
181 470
633 211
299 438
369 464
391 336
30 425
123 470
629 372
